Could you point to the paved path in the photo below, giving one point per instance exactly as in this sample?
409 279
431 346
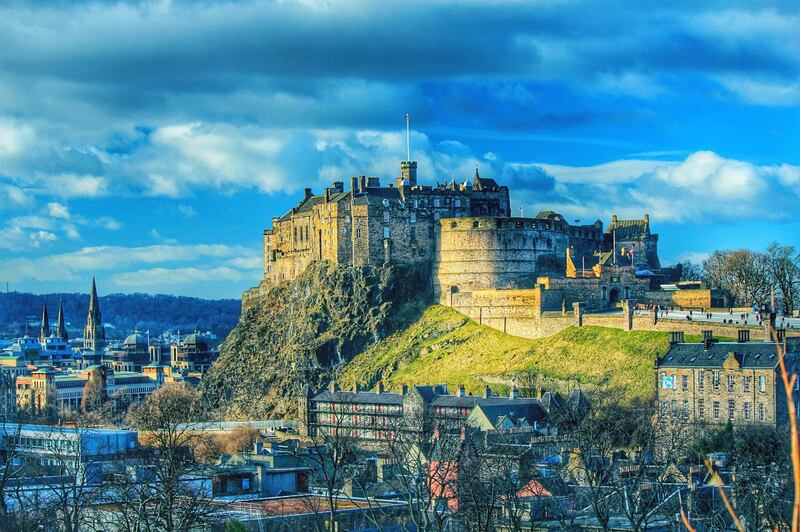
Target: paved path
722 317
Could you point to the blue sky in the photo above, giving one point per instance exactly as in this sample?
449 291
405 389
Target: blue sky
150 143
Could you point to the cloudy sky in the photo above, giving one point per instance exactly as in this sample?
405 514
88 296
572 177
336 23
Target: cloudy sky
150 143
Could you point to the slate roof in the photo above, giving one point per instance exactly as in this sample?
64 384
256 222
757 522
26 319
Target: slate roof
629 229
529 410
550 215
551 401
342 396
376 195
751 355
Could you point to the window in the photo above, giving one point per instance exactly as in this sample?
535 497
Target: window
415 204
436 216
663 408
731 408
762 383
674 408
685 409
746 411
761 412
386 217
701 384
386 232
730 383
358 232
701 413
716 410
413 218
413 233
457 203
437 202
746 383
715 380
684 382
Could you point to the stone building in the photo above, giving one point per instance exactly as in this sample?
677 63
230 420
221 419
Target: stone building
632 238
717 382
193 354
47 387
379 415
371 224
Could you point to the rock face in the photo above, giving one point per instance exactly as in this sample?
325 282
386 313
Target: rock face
306 331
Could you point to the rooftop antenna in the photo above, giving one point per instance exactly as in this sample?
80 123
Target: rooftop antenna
521 211
408 137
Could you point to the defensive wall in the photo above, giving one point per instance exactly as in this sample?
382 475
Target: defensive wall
479 253
531 313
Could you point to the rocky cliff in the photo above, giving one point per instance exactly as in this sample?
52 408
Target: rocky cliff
306 331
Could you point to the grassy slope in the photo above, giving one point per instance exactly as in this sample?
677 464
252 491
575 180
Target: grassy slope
446 346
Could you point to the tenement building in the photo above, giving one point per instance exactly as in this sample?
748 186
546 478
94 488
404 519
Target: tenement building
371 416
717 382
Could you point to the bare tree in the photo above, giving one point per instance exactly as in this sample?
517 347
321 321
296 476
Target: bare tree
162 493
784 267
744 273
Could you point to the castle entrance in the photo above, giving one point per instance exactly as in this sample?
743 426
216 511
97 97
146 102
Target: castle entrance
613 296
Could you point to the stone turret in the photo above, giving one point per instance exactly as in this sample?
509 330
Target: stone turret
44 330
408 172
94 334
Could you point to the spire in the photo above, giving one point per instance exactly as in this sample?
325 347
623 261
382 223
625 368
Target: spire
476 183
94 335
44 331
61 329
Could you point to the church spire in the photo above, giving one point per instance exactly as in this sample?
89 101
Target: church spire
61 329
94 335
44 331
476 182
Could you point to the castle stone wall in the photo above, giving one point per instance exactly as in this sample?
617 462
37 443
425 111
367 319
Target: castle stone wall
500 253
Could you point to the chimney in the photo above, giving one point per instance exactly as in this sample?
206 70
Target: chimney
357 387
404 389
307 193
373 182
338 186
380 386
353 184
513 392
744 335
460 392
487 392
613 218
334 387
769 328
676 337
780 336
327 195
708 335
362 183
646 218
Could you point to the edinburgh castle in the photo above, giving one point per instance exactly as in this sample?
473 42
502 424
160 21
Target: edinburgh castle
474 246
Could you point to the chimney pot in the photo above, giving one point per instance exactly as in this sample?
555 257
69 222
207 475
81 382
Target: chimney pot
380 386
307 193
487 392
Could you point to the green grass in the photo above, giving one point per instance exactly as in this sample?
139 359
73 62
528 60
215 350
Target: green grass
446 346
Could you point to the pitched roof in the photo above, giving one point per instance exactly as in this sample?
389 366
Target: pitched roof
629 229
696 355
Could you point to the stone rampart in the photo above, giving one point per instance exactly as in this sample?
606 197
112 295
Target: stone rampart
498 253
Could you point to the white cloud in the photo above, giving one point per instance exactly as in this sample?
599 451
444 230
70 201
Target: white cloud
156 278
77 264
703 188
58 210
38 237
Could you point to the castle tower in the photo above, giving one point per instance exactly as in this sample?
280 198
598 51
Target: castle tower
94 335
44 330
408 172
61 329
